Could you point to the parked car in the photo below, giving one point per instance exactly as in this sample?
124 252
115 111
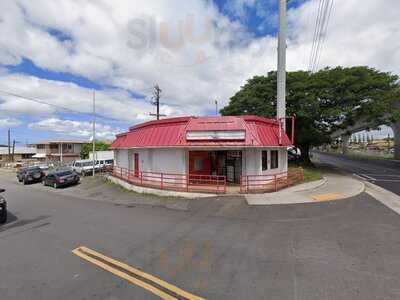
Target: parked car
3 208
85 167
293 155
30 175
105 164
61 178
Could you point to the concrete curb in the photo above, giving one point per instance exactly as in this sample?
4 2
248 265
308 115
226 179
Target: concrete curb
387 198
308 186
163 193
289 197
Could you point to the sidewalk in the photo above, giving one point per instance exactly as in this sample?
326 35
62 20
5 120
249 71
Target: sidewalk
334 186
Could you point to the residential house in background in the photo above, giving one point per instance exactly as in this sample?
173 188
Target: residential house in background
58 150
21 155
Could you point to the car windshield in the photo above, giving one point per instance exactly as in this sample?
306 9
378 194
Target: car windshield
31 169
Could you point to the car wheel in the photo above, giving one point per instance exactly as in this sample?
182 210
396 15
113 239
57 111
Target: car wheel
3 217
25 182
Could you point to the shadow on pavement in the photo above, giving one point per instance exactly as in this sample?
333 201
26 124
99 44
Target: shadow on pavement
12 222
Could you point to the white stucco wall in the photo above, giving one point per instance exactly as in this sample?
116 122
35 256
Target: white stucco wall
121 158
252 161
175 160
153 160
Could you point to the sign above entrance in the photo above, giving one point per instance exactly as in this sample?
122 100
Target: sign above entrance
216 135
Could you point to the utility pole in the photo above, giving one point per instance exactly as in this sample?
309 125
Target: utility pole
94 131
9 145
216 107
156 101
281 82
13 150
61 154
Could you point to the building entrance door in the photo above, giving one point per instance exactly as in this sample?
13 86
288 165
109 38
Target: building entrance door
220 163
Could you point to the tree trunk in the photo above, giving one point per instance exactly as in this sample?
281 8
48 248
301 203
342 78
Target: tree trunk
305 153
345 143
396 132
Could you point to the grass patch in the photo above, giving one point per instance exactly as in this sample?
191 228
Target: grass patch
311 173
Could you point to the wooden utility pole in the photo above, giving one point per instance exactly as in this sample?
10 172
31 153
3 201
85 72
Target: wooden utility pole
156 101
13 151
9 145
94 134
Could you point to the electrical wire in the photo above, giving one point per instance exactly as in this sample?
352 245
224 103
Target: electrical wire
321 27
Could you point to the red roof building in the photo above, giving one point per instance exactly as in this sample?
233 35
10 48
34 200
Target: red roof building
230 146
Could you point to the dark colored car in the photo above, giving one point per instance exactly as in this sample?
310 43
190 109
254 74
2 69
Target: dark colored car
61 178
30 175
3 208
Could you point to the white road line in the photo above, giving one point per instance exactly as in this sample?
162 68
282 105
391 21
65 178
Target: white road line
387 180
386 197
368 177
362 178
384 175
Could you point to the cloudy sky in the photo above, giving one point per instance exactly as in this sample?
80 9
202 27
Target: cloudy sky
59 52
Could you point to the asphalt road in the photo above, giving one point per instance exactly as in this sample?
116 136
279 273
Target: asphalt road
216 249
385 173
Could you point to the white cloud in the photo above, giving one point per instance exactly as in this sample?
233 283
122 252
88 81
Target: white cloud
81 129
9 122
111 103
122 43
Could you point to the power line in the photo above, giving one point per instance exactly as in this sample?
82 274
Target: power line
315 36
51 104
326 32
320 32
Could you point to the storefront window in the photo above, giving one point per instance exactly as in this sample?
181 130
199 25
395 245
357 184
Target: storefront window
264 159
274 159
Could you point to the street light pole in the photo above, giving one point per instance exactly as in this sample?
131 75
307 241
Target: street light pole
281 82
94 131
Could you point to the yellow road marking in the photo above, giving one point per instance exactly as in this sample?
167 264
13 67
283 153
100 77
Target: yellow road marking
327 197
83 251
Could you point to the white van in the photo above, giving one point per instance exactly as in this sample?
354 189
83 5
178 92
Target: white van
84 167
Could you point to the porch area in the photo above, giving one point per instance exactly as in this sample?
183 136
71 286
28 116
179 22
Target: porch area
212 184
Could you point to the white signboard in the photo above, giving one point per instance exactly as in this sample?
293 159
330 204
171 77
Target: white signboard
216 135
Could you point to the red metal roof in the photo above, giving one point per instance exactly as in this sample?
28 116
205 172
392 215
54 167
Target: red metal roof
172 132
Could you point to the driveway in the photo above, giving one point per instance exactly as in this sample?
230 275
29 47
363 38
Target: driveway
217 248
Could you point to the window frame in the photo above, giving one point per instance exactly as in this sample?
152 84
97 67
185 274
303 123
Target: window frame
264 160
274 162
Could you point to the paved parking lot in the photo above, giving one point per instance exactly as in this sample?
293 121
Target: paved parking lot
217 248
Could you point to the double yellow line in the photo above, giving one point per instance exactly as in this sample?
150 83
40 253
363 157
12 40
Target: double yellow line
146 281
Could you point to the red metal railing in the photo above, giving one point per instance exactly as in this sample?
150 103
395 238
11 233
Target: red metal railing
174 182
270 183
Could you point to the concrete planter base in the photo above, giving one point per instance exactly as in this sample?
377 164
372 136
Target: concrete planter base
157 192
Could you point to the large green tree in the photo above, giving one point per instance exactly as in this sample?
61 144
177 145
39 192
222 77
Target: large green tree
323 102
88 147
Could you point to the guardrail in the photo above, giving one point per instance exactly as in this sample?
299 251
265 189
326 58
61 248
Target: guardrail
174 182
270 183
